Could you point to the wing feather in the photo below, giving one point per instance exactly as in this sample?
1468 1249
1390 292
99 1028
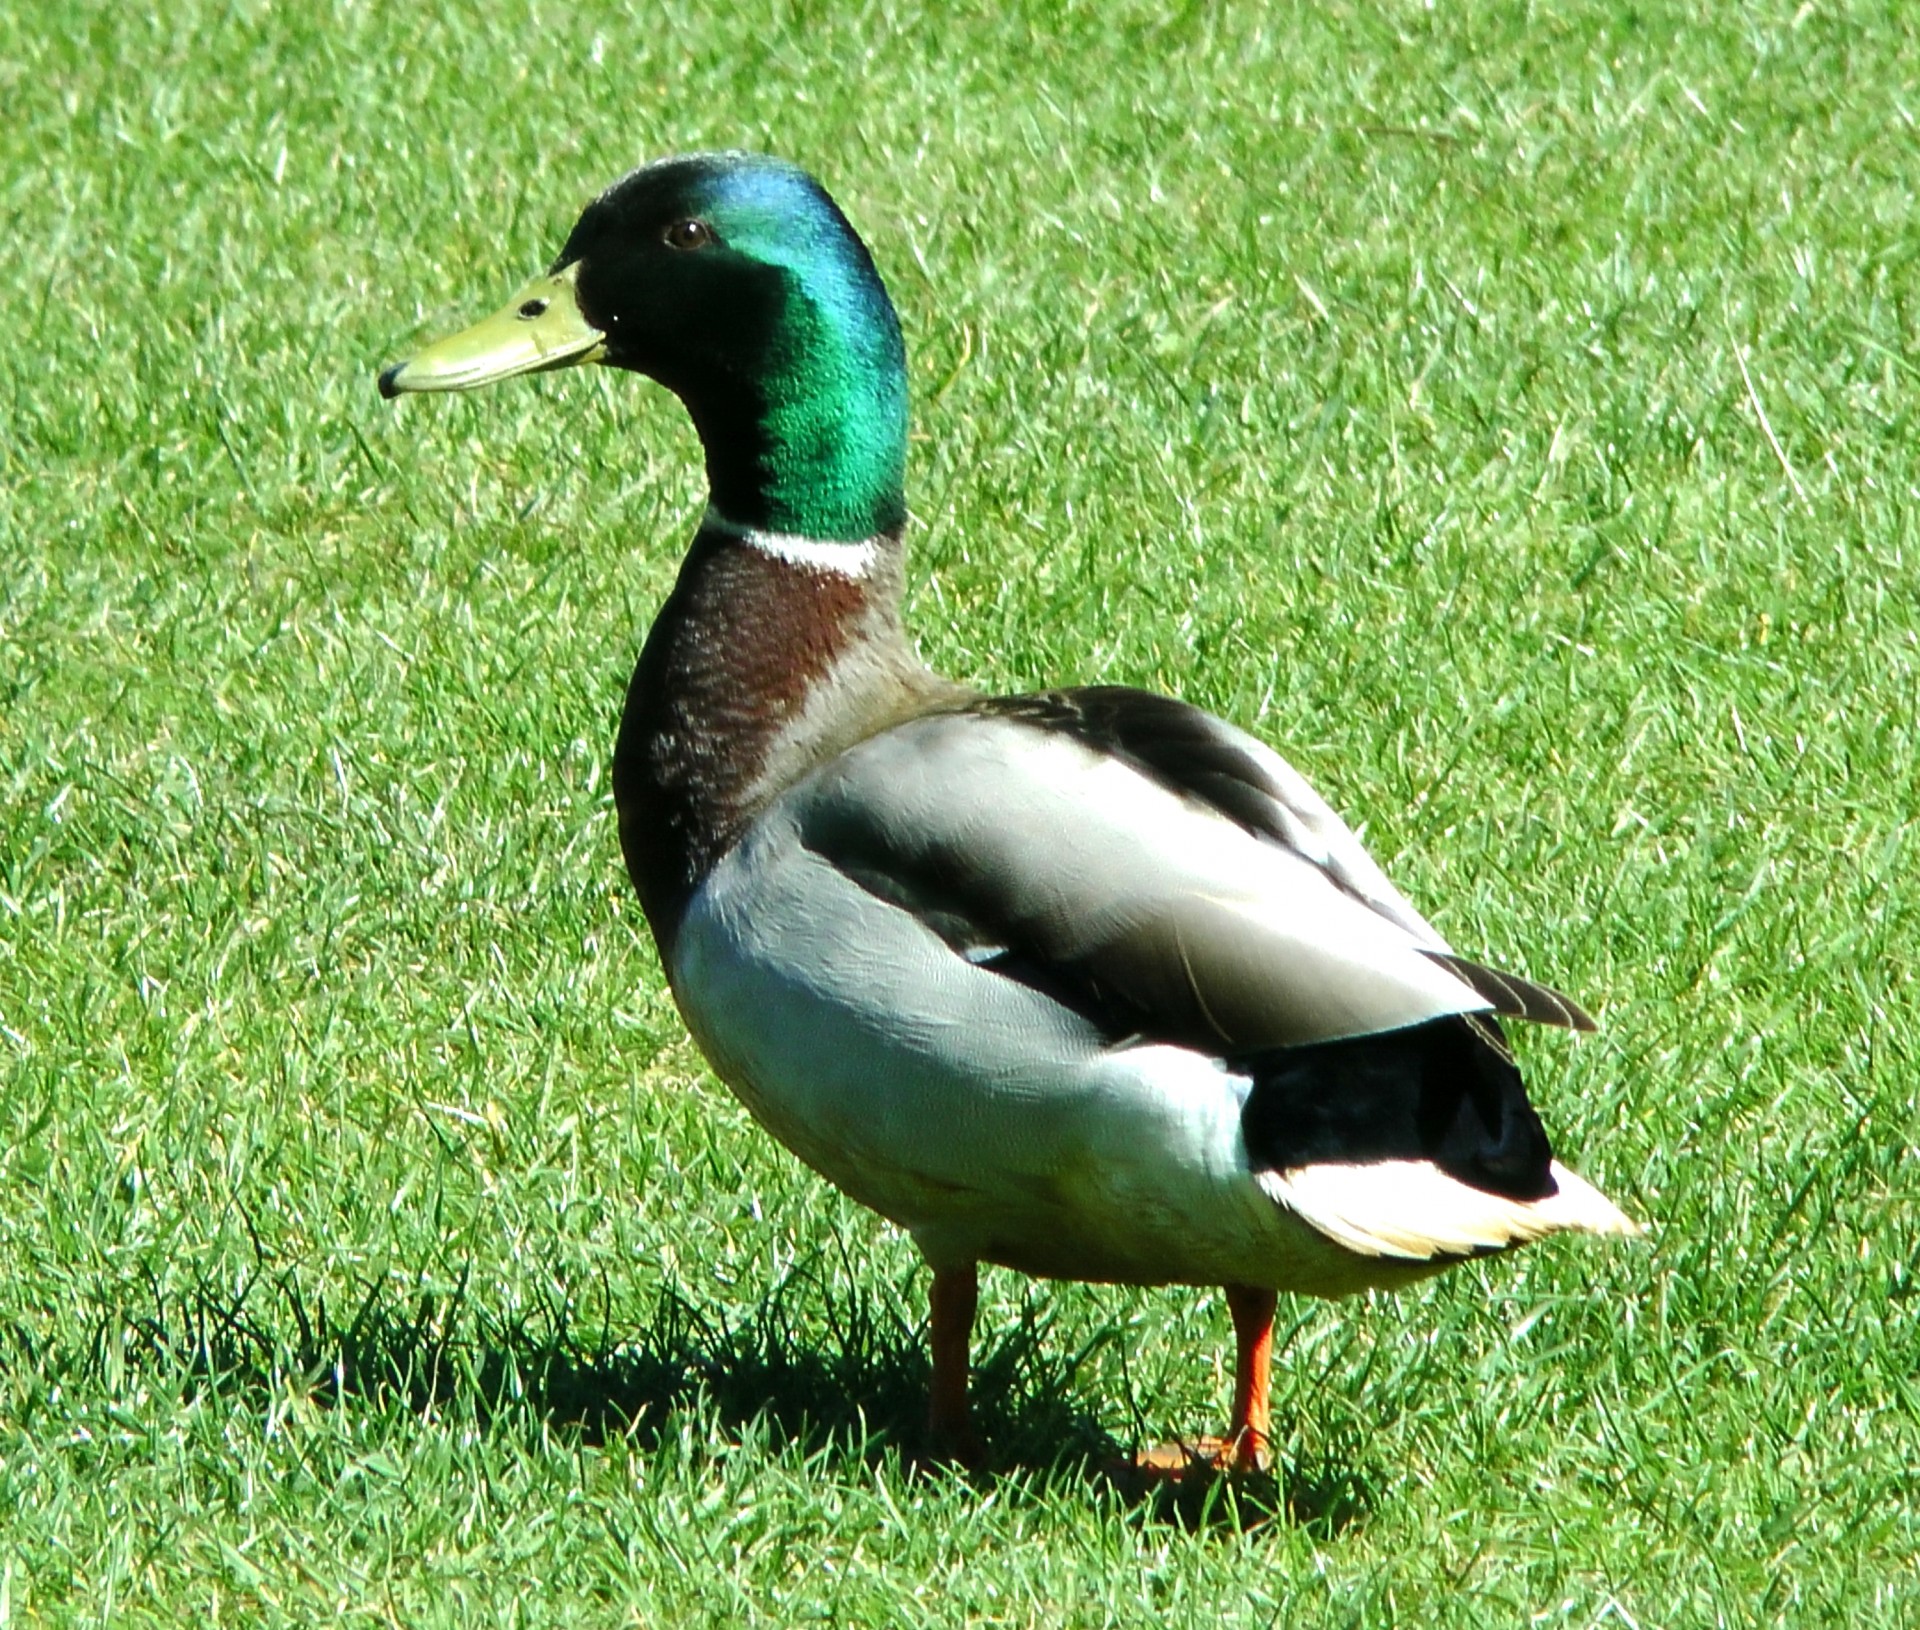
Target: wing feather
1512 997
1235 920
1241 778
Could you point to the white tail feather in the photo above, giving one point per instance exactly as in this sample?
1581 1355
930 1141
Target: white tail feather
1413 1210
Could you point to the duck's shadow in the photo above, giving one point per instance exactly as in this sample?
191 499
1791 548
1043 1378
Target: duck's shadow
855 1388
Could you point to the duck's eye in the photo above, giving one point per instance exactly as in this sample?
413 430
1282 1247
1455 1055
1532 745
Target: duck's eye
530 309
688 234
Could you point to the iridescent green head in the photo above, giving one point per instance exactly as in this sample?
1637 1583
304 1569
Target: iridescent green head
735 281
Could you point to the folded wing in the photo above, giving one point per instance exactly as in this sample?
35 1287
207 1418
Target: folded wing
1163 874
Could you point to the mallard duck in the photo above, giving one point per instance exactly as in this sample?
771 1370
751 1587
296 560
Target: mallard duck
1088 984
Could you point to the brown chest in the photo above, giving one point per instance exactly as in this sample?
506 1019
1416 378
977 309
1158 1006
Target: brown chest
758 668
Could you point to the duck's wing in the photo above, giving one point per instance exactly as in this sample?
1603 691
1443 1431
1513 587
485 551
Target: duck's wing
1241 778
1159 872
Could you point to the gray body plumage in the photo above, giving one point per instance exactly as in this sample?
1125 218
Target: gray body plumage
844 967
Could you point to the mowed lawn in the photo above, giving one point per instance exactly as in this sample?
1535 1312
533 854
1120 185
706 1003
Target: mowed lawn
1508 412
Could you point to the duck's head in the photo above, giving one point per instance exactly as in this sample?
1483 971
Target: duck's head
735 281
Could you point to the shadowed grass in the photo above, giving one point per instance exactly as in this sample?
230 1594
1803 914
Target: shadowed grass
807 1370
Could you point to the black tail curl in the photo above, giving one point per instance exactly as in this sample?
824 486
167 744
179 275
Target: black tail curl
1445 1091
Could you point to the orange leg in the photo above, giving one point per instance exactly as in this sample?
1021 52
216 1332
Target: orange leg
1247 1444
956 1293
1249 1433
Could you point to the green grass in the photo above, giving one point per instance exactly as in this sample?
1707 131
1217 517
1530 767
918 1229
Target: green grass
1508 412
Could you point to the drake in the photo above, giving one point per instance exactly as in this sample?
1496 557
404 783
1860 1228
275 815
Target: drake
1088 983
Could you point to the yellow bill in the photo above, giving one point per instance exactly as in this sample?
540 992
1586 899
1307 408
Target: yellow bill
540 328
